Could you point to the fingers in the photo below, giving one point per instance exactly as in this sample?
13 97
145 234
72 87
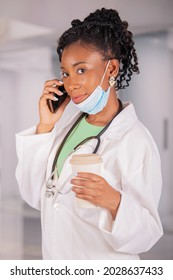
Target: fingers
54 83
87 197
51 86
85 186
95 189
48 96
52 89
88 186
92 192
49 112
89 176
88 180
92 195
83 183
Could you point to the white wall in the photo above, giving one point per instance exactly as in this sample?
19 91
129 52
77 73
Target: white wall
151 93
22 77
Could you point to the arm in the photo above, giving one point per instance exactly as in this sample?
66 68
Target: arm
32 152
34 146
137 225
131 224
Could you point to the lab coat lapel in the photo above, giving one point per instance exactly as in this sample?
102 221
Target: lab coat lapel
121 123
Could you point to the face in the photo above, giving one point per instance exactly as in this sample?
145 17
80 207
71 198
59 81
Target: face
82 71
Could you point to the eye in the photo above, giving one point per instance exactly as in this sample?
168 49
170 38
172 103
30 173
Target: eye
64 74
81 70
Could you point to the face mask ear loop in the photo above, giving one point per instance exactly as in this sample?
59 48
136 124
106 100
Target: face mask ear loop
104 72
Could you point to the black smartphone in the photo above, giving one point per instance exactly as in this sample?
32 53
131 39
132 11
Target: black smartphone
54 105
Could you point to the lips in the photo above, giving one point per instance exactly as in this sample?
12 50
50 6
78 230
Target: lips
79 98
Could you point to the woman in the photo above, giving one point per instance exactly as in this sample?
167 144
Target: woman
97 58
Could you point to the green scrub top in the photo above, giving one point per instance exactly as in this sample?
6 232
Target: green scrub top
82 131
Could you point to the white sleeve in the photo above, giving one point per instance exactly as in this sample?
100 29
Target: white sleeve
32 151
137 226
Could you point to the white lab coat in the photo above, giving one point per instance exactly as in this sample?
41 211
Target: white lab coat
131 165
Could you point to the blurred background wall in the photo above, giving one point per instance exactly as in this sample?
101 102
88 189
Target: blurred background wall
28 37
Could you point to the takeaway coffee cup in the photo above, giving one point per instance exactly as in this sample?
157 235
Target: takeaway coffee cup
86 163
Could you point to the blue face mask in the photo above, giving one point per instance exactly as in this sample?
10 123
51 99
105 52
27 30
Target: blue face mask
96 101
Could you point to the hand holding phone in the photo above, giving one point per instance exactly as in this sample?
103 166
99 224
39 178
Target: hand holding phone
51 108
54 105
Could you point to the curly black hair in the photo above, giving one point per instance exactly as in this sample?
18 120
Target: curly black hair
108 34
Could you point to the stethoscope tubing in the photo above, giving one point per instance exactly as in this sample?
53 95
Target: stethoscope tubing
97 137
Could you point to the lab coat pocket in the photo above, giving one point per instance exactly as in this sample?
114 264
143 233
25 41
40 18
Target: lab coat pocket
89 215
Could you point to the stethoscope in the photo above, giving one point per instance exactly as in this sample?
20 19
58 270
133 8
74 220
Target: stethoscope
52 180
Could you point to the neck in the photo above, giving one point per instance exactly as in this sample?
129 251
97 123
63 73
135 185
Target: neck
109 111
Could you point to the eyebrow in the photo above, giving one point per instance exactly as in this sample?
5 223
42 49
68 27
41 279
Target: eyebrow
75 64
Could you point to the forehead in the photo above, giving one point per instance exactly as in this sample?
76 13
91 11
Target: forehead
78 52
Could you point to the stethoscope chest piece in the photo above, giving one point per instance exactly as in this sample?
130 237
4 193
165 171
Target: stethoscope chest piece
53 187
50 192
50 188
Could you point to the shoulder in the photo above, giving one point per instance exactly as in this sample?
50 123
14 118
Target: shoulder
138 136
132 138
139 140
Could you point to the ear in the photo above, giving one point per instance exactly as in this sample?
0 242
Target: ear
113 68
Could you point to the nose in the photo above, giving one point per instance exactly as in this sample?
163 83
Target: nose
72 84
73 87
